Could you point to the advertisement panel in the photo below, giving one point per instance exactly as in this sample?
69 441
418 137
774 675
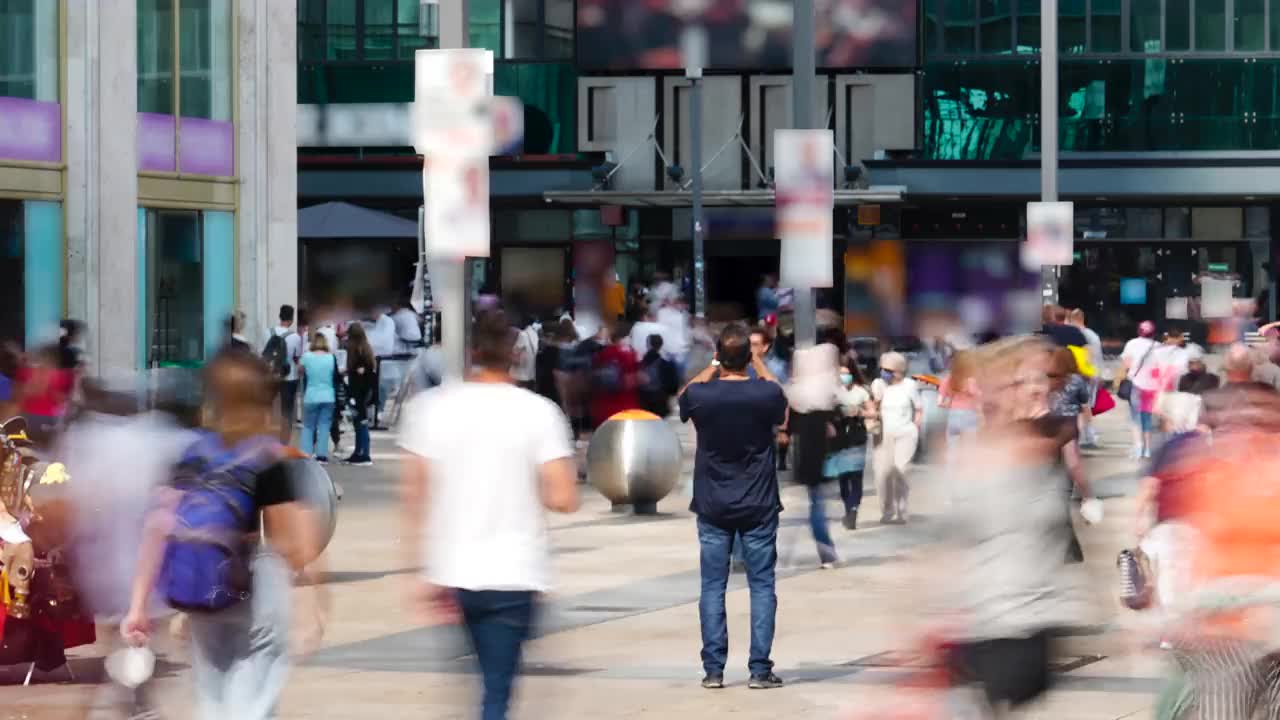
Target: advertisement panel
805 192
629 35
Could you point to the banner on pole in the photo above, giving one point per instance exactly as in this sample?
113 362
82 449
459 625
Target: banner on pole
1049 235
805 198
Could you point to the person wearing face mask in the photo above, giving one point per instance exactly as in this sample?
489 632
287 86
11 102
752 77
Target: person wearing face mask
900 413
847 458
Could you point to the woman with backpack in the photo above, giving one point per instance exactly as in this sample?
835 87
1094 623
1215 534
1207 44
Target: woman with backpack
361 390
205 552
319 371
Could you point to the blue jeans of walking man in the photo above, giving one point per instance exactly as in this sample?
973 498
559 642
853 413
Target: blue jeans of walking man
498 623
760 553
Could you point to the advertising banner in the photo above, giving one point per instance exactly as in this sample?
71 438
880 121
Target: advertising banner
1049 235
805 192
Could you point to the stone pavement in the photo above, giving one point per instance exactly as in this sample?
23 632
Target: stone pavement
619 638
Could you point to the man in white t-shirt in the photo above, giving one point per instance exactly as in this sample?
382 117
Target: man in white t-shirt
485 458
641 331
524 363
1137 364
289 384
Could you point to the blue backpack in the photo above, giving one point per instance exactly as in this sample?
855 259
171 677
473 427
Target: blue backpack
206 559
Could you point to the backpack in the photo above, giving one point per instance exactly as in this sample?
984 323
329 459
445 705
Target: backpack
206 560
655 381
276 353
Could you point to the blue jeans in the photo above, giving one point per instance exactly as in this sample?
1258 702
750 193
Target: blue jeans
498 623
818 524
316 419
760 550
240 656
362 438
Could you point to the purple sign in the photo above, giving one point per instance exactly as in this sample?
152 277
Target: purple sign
157 149
30 130
207 147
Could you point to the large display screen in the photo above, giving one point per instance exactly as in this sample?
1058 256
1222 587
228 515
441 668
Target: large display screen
630 35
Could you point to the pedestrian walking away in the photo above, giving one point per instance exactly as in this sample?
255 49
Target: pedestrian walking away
735 494
900 413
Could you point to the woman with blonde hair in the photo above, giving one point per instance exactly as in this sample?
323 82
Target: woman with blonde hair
319 370
900 413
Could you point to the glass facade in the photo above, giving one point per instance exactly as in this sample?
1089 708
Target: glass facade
155 56
174 288
12 245
337 31
549 92
205 61
987 110
29 41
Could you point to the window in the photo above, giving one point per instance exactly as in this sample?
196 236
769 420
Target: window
932 27
1105 26
1275 24
960 25
1211 25
311 29
12 272
380 29
537 29
340 30
1144 25
997 26
602 114
549 93
155 56
361 30
29 39
484 24
1071 27
205 65
175 288
412 30
1028 26
1250 25
1178 25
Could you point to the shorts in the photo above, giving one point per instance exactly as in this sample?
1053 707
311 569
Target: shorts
1140 418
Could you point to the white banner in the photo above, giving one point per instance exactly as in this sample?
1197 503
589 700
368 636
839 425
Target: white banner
455 192
805 197
1050 232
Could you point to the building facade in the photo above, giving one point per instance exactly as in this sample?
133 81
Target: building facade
147 172
1168 131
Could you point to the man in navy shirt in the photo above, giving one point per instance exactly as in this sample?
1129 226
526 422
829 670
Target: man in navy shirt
735 494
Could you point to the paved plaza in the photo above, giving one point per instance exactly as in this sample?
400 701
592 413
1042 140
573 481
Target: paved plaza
619 638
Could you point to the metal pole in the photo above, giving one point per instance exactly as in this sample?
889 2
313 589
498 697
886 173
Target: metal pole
451 275
804 62
699 226
1049 128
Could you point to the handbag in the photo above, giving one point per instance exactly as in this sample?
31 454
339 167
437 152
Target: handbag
1125 389
1136 586
1103 402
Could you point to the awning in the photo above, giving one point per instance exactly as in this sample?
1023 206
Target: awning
877 194
342 220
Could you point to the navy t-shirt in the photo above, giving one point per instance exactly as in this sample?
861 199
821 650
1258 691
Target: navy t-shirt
735 478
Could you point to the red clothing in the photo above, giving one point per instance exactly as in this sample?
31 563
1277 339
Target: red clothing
46 391
607 403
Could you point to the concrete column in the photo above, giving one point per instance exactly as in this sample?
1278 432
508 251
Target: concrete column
102 179
267 154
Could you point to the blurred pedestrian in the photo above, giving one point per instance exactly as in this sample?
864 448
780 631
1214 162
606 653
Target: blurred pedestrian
661 379
482 452
958 395
10 361
208 553
319 372
615 376
46 382
1058 331
234 333
899 415
524 362
767 297
811 397
735 495
1093 346
1007 523
847 458
1139 385
282 350
361 391
1197 379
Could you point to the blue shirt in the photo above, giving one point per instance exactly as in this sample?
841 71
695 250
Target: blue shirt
6 389
318 368
735 477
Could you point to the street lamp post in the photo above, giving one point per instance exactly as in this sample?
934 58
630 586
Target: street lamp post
804 64
1049 128
693 50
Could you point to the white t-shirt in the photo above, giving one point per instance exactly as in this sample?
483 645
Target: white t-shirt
524 367
898 403
1170 364
640 333
852 399
1143 377
484 444
292 348
675 331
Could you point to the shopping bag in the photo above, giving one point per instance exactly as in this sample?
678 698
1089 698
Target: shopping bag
1103 402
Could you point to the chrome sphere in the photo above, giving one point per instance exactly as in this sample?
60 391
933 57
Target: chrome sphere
314 488
634 459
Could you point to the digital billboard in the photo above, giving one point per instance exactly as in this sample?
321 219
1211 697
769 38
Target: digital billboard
631 35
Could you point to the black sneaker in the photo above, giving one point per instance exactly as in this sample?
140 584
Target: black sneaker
768 681
851 520
713 682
